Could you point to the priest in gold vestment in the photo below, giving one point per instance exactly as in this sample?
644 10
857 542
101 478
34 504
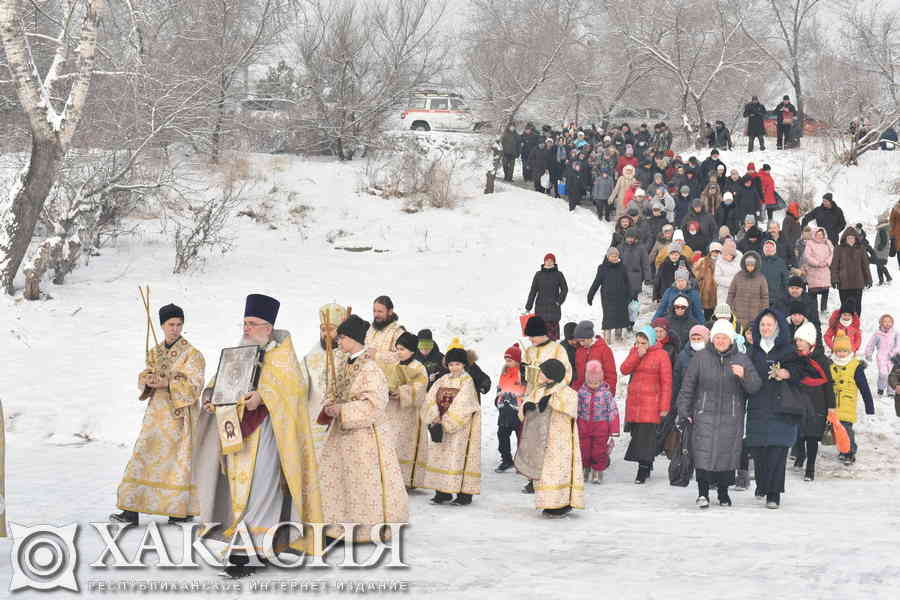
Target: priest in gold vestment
453 416
359 475
315 363
560 487
273 476
381 338
157 480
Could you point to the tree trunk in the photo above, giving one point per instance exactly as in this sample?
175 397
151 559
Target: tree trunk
801 117
17 226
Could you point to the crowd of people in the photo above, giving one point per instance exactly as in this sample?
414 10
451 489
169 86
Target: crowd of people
741 350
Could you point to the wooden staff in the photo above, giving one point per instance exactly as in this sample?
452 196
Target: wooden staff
149 357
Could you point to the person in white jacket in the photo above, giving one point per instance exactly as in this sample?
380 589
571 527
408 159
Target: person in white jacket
727 266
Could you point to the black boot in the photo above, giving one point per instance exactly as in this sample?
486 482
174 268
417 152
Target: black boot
773 501
505 465
724 498
529 487
177 520
798 462
441 498
642 474
462 500
128 517
556 513
810 475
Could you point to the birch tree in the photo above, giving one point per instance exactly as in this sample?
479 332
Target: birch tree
53 99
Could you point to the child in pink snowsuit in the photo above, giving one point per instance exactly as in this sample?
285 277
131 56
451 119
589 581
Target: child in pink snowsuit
887 341
598 421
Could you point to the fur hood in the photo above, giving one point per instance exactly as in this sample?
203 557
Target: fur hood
753 254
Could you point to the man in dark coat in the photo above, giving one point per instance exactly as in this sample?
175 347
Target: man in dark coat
796 292
637 263
783 247
829 216
547 294
755 113
786 115
707 221
748 200
511 144
709 166
537 165
530 141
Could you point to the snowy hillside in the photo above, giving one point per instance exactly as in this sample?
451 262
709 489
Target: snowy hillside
72 412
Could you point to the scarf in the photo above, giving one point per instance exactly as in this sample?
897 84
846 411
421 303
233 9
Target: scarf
822 379
841 362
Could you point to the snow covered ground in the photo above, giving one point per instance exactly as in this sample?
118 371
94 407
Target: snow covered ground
72 411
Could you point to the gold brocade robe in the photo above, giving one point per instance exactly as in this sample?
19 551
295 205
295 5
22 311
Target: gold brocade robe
453 465
384 343
535 355
157 480
224 483
403 415
562 480
314 366
359 474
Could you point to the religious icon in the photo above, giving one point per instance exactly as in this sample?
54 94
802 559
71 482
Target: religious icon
237 374
229 430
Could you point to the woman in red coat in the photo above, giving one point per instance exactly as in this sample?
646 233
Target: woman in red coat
768 189
649 398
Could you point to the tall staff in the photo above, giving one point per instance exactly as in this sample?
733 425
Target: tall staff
330 370
149 357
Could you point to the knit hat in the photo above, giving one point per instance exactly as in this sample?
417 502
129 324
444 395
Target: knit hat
640 192
170 311
553 370
795 281
678 235
535 327
841 342
676 246
648 333
514 352
682 273
685 189
569 330
681 301
455 344
770 242
796 307
409 341
354 328
722 326
660 322
722 311
807 333
456 353
425 334
827 196
593 369
715 246
695 258
584 330
750 219
633 211
699 330
696 203
551 256
751 167
612 251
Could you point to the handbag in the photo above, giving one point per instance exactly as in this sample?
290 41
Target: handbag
790 401
841 437
634 310
561 188
681 469
545 180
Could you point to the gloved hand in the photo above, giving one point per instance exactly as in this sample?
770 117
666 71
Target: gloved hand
544 402
529 406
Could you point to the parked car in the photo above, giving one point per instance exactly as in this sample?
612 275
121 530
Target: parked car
810 126
434 111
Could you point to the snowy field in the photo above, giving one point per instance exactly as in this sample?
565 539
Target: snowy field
72 412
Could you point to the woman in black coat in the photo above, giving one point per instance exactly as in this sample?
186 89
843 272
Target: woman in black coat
548 292
819 388
769 432
615 294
